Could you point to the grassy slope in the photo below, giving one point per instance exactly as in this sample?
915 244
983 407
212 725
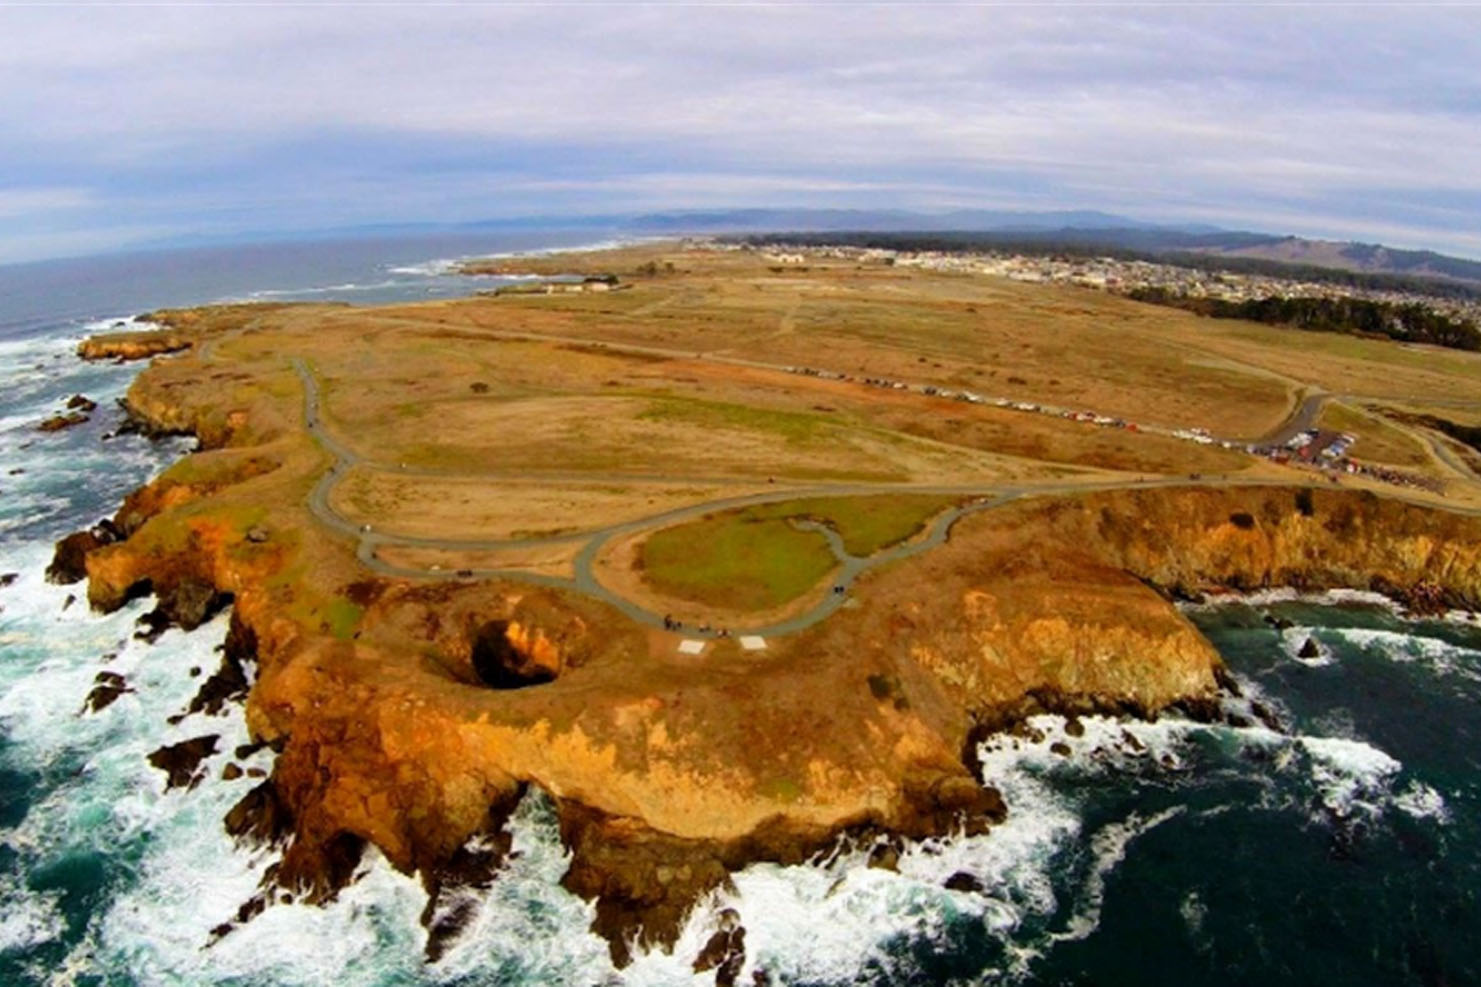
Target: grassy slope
1378 441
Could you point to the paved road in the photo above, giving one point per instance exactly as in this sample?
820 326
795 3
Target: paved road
1302 417
584 580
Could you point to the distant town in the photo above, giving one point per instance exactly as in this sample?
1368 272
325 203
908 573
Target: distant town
1128 277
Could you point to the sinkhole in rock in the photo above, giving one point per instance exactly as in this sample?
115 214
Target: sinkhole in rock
501 665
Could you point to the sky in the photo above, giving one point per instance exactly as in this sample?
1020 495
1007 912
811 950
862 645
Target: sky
125 124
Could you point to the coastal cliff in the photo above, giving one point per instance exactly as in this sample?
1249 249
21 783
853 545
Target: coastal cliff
668 778
412 710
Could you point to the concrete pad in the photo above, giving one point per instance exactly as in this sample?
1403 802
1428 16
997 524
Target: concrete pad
752 642
689 646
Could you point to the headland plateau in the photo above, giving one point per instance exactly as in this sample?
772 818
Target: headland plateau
735 555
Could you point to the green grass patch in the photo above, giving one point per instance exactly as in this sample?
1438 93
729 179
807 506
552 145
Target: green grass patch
753 558
343 617
866 524
736 561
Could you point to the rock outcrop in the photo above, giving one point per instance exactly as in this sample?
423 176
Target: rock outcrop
57 423
181 762
139 345
107 687
69 560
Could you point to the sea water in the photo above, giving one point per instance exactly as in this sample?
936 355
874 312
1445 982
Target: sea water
1344 848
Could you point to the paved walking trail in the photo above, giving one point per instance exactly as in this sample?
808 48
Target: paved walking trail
982 497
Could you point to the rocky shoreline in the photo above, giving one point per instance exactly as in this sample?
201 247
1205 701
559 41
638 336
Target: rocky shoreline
389 733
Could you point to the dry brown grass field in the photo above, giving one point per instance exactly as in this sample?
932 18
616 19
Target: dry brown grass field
482 544
526 416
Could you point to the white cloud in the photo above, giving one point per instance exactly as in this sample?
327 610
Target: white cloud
1137 108
26 202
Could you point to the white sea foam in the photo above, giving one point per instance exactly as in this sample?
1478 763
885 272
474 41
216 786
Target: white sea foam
431 268
527 928
1283 594
349 286
1423 802
1194 913
29 918
1108 849
1438 656
1350 776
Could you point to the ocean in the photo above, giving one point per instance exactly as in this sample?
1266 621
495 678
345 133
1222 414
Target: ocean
1343 849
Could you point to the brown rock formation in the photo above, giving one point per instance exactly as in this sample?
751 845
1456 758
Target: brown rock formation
133 345
107 687
725 951
182 762
411 715
58 422
69 560
229 682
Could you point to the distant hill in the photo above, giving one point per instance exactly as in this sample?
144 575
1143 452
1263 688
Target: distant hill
895 220
1370 258
1085 228
1077 229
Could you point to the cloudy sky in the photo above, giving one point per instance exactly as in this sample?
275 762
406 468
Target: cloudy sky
130 123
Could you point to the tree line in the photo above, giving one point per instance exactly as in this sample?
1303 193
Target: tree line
1410 322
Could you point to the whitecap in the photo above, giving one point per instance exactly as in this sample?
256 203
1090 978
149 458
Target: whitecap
1423 802
1350 776
1439 656
1194 913
29 918
1108 849
1285 594
431 268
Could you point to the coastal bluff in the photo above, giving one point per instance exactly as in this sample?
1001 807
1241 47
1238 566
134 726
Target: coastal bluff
411 713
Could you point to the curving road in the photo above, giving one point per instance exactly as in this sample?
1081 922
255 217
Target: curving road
1303 416
584 580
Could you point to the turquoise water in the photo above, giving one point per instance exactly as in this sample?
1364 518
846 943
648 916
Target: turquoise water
1345 850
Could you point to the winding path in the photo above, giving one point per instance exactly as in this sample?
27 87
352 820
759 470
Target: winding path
592 543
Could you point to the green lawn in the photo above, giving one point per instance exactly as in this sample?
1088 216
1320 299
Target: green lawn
737 562
753 558
866 524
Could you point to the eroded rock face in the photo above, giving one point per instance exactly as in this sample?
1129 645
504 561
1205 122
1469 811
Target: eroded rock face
107 687
132 345
667 777
455 884
725 951
57 423
69 561
229 682
505 657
